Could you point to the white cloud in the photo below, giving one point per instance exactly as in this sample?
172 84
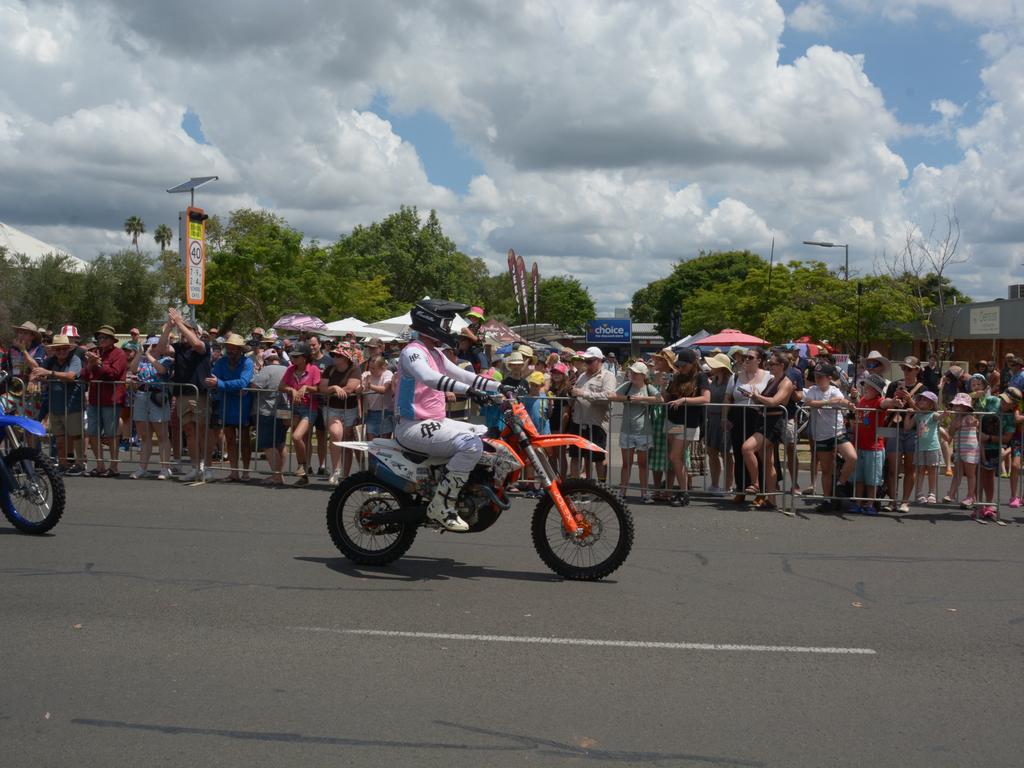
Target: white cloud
615 138
812 16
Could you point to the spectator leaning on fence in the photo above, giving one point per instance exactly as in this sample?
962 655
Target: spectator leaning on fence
686 397
900 447
231 376
378 399
639 395
716 436
105 369
664 365
342 385
742 419
301 382
591 408
870 445
966 450
769 428
25 354
61 372
152 411
828 434
192 363
271 428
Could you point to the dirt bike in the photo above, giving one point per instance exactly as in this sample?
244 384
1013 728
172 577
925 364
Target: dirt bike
31 489
581 530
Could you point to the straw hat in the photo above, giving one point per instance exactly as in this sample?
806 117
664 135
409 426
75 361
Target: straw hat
59 340
234 340
29 326
667 355
720 360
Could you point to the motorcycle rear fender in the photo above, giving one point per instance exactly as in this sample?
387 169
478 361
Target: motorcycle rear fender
30 426
352 446
555 441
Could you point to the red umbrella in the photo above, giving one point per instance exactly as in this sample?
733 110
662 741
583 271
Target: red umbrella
731 337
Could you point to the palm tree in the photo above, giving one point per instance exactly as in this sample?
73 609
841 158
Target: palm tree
134 227
163 236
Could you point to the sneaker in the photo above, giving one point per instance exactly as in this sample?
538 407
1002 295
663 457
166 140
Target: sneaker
322 472
930 499
75 470
646 499
123 445
335 477
677 500
922 499
164 474
302 478
904 507
868 509
856 509
989 513
139 473
1015 502
967 503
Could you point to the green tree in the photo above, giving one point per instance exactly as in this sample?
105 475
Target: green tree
50 289
163 236
565 302
133 227
256 275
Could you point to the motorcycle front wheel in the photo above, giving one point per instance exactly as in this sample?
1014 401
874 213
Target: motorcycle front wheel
349 521
605 546
36 502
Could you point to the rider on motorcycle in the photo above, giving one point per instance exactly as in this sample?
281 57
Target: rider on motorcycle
424 376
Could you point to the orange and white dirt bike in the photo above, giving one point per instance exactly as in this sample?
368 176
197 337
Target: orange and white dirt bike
581 529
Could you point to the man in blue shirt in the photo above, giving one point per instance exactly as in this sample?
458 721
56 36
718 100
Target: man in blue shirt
61 370
231 375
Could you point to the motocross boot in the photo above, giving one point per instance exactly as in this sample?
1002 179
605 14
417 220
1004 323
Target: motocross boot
442 506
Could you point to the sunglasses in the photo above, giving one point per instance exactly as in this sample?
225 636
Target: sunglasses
871 364
750 357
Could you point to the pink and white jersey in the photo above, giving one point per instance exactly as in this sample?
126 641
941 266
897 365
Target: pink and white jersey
424 376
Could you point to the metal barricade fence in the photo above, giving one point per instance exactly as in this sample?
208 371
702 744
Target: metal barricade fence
263 434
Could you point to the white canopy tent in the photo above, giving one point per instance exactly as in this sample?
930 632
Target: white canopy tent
346 326
400 324
16 241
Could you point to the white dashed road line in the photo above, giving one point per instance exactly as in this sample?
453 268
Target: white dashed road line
592 642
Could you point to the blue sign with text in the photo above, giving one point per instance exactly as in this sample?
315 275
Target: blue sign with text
609 330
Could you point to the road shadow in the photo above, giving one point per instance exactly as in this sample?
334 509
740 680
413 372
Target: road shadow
418 569
16 532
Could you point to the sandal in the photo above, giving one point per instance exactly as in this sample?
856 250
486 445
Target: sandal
751 490
109 473
96 472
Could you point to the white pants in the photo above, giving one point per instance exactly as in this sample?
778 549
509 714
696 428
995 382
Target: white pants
457 439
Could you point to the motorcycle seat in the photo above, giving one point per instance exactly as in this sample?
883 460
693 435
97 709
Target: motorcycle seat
414 456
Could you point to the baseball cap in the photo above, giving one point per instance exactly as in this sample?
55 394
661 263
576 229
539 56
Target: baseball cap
561 368
686 355
535 378
640 367
593 353
824 369
1011 396
876 382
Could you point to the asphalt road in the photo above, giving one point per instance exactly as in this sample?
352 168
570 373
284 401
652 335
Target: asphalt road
163 625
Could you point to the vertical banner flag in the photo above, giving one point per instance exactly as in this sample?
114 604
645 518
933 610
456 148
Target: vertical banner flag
512 277
535 274
521 282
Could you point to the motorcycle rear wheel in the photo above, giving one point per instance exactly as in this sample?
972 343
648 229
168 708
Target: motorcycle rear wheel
591 557
355 499
37 503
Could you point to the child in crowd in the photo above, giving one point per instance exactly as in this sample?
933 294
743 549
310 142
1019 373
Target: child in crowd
870 445
828 433
926 455
998 426
638 394
536 404
964 434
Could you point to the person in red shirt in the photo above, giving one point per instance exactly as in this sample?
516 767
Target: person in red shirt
870 445
105 368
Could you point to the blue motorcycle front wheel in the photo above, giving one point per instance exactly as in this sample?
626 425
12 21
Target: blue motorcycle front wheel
35 502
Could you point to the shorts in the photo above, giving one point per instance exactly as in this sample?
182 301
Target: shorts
773 429
596 434
270 432
789 433
827 446
990 460
69 424
869 467
193 408
321 418
347 416
306 412
636 442
102 420
682 432
967 455
380 422
905 440
147 410
926 459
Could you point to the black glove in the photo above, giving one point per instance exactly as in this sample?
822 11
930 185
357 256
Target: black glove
480 397
508 390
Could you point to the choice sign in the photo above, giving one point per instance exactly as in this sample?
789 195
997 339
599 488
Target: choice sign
610 330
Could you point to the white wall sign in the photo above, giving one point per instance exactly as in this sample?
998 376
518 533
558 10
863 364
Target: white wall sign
985 321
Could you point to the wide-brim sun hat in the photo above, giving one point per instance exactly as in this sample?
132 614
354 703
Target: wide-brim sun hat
29 326
234 340
927 394
962 400
106 330
882 359
640 367
667 355
59 340
720 361
876 382
515 358
1011 396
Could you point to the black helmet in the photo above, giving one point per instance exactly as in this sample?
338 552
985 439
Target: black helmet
433 318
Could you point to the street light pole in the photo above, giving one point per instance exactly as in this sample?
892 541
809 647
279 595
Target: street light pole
844 246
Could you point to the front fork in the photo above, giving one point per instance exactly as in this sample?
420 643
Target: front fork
572 522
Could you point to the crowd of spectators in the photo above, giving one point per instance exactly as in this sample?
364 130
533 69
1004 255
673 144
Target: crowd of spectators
223 399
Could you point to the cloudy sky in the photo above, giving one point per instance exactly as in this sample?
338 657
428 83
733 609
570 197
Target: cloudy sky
605 140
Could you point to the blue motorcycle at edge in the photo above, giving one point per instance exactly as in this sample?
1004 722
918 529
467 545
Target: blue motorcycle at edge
31 488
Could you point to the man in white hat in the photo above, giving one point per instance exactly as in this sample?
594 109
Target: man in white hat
591 410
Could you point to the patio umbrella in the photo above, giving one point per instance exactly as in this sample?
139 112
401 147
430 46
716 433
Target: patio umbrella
346 326
298 323
731 337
